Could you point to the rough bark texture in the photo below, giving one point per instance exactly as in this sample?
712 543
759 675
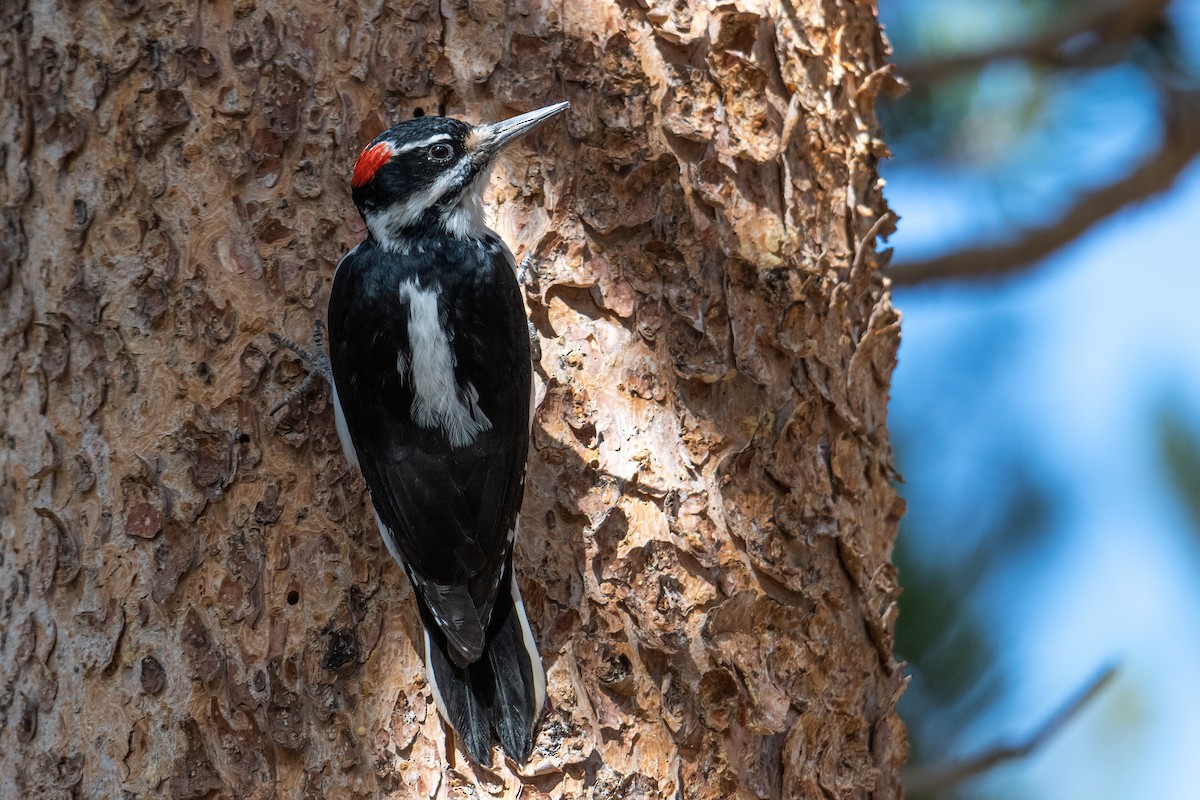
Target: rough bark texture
193 599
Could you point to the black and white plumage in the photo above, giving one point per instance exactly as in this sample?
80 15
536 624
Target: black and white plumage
430 354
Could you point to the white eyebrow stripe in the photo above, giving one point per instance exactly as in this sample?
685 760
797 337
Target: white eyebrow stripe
441 137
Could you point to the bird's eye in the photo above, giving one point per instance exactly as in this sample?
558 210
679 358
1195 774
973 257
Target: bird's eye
441 152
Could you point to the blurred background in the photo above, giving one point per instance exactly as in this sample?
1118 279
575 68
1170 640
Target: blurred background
1046 410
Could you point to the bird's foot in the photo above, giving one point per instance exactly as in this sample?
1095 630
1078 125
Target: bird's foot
316 361
526 270
527 276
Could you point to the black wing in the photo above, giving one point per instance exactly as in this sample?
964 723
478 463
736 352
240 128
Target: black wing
451 511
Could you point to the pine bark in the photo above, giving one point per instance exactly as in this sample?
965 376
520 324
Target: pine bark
194 601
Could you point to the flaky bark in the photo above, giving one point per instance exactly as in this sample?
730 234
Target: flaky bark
193 596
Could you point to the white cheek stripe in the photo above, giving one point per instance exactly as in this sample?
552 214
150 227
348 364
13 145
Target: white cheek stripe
387 224
436 401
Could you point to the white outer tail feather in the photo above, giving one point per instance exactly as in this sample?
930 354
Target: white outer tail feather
531 649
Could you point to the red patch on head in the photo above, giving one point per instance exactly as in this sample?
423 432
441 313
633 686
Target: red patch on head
369 162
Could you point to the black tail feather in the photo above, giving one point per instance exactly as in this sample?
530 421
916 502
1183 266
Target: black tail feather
458 699
513 712
501 693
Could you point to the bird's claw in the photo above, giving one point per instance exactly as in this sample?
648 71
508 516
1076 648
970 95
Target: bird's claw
316 361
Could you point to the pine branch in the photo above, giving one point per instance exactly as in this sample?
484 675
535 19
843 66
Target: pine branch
939 777
1180 145
1104 27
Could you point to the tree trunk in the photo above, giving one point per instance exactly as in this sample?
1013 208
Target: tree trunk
193 597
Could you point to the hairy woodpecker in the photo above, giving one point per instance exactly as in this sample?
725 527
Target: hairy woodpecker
430 354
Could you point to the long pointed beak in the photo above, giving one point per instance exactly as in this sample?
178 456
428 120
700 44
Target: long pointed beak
492 138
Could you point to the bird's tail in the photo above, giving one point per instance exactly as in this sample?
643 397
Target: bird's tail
503 692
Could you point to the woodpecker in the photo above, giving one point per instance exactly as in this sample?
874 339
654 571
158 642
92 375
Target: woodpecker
432 381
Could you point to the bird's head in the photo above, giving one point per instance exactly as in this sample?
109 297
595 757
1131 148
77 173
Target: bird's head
427 175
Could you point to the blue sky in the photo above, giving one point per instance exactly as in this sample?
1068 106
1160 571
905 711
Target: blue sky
1079 357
